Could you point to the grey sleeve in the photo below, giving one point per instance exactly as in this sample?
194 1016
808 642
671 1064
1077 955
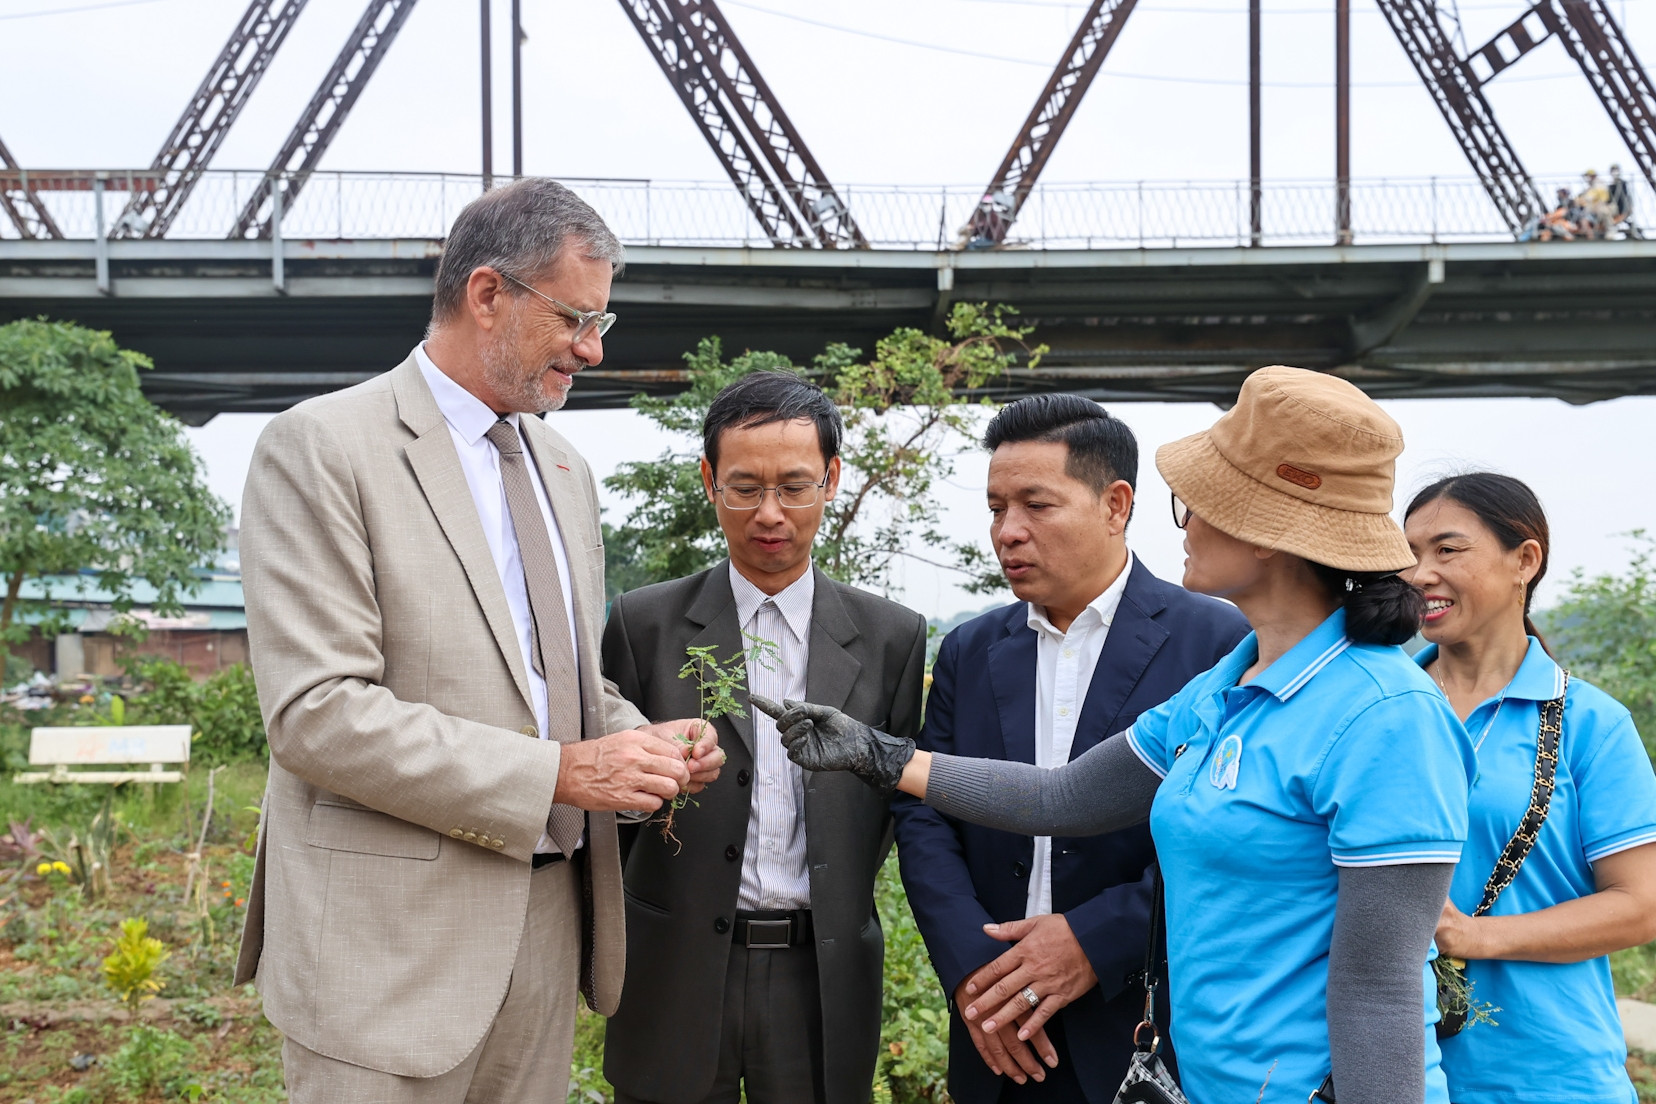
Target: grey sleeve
1104 790
1383 924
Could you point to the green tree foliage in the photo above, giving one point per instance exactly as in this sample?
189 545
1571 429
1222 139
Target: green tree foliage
909 411
1605 632
92 474
222 712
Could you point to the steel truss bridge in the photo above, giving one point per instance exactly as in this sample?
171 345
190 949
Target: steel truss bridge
252 290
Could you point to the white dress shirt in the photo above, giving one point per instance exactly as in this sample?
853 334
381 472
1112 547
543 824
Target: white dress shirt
1063 672
469 418
773 862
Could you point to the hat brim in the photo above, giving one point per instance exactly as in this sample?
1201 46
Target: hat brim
1242 507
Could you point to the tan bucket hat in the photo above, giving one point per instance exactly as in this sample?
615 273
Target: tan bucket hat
1304 463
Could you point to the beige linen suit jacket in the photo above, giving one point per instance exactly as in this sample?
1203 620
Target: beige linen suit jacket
407 791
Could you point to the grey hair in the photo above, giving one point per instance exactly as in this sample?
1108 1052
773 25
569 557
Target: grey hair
519 229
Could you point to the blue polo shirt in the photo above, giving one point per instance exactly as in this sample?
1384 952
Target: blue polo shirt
1338 754
1557 1036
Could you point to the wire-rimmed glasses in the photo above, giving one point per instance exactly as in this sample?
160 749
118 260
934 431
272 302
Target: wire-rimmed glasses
750 496
585 322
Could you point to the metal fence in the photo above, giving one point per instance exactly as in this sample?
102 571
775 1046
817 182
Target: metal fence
1141 214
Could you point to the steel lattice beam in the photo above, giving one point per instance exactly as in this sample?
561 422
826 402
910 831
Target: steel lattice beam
22 205
335 96
1052 112
767 159
1591 35
206 121
1455 90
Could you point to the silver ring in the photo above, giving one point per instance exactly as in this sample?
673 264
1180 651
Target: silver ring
1028 994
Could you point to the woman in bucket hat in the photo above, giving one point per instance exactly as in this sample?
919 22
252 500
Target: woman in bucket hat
1307 795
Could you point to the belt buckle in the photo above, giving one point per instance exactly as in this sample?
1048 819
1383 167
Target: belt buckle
783 929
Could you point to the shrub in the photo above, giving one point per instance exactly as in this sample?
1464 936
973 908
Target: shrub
223 711
914 1031
130 971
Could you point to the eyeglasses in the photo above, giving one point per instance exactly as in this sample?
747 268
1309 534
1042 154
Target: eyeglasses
585 321
1181 512
750 496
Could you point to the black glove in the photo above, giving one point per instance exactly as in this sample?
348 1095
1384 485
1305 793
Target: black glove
820 738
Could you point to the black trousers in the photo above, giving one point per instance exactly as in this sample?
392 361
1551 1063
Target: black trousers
770 1039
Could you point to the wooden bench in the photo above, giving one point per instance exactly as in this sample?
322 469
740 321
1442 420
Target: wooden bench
61 748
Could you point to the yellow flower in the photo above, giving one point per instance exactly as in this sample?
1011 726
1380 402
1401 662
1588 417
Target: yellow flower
61 868
43 869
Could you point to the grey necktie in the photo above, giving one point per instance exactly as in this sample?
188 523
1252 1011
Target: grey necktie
550 648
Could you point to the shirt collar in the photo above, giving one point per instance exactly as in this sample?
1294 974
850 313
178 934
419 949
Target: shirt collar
1105 605
792 601
1289 674
1538 678
469 415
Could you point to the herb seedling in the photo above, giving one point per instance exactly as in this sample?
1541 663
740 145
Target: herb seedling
1454 992
717 683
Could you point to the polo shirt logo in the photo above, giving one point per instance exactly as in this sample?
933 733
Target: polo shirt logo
1226 762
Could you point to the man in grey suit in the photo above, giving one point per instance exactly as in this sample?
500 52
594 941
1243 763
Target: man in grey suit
754 954
438 860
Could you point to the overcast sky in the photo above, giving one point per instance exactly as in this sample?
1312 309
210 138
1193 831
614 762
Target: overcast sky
105 82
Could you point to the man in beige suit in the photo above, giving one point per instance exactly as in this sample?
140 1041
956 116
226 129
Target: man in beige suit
438 861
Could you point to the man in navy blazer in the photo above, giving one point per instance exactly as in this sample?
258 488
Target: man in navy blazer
1094 641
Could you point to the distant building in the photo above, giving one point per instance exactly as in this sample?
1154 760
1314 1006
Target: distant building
209 635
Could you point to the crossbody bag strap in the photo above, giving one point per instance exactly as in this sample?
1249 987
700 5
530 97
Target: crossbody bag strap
1146 1036
1529 828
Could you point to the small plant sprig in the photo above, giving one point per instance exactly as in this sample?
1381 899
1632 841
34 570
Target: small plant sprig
130 971
717 683
1455 997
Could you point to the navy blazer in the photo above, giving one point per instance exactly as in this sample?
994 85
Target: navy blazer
961 876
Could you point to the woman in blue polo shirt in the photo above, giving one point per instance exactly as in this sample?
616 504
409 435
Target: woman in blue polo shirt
1588 884
1307 795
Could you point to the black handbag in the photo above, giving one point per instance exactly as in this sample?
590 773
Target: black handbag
1147 1080
1453 993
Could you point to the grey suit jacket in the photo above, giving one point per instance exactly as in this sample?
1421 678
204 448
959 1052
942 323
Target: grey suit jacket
867 657
407 791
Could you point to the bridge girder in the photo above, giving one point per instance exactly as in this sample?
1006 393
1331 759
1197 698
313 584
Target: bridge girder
207 118
759 147
308 141
1567 320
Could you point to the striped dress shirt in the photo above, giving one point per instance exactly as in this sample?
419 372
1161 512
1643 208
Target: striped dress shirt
774 874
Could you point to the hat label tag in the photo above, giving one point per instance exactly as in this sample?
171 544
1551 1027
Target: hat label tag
1299 476
1227 761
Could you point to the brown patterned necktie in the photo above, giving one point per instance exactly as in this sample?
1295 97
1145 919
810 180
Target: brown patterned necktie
550 648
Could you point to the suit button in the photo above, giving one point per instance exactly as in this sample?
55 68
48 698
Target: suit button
471 837
1019 869
721 925
743 777
457 832
497 843
529 730
731 853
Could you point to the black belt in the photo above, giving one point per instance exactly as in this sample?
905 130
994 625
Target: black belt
546 859
774 930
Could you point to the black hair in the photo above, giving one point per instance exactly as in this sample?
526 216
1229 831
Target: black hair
762 398
1381 607
1508 509
1101 448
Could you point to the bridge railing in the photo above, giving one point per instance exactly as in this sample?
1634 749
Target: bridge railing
1134 214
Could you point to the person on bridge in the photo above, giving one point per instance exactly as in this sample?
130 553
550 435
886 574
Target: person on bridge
1535 944
1094 641
1307 795
438 864
1621 202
